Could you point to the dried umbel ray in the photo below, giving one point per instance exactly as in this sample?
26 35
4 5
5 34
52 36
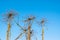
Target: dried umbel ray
22 34
24 31
19 36
8 17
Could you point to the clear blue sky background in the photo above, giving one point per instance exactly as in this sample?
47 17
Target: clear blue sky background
49 9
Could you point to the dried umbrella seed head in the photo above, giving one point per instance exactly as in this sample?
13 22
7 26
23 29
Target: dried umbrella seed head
10 16
29 18
42 21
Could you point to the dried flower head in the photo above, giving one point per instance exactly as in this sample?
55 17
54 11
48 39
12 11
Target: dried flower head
9 16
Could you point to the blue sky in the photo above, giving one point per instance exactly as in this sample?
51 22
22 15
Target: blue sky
49 9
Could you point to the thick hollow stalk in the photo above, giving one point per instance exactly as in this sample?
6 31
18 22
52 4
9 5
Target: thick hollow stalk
42 33
8 32
29 27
